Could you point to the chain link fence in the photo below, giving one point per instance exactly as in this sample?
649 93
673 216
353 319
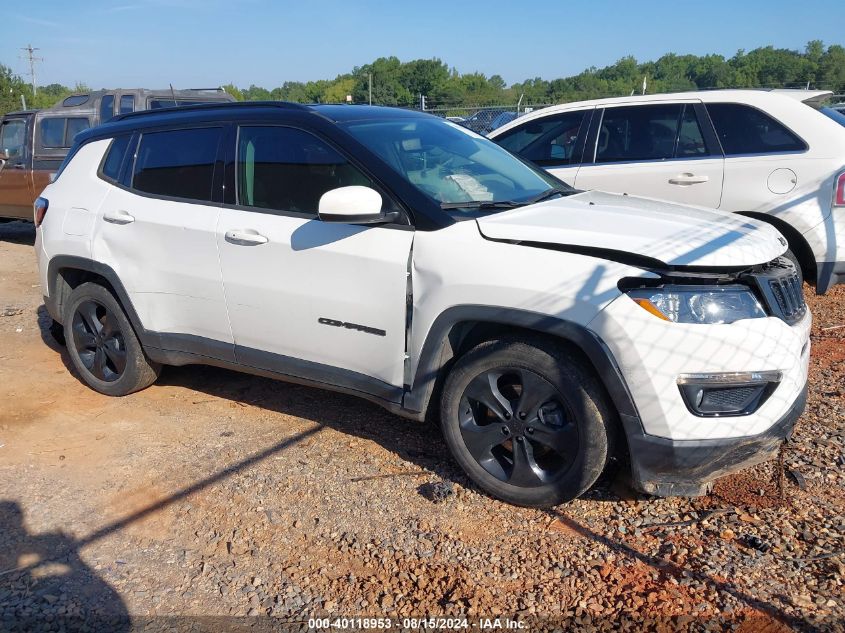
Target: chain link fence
483 119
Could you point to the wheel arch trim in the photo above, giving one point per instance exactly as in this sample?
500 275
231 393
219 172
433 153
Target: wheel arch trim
418 397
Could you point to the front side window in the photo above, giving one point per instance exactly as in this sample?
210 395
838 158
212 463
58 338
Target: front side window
285 169
746 130
127 104
638 133
58 132
177 163
157 104
12 137
106 108
457 168
547 141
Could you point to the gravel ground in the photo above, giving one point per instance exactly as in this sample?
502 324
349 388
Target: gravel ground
213 495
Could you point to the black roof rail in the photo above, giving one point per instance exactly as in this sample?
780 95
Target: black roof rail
209 106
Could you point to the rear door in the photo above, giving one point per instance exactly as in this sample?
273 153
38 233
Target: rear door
157 231
16 194
555 142
657 150
307 297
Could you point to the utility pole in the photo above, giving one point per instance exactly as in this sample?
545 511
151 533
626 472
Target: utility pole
31 58
370 82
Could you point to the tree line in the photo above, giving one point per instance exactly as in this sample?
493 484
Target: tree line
398 83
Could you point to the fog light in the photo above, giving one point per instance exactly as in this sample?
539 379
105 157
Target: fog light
723 394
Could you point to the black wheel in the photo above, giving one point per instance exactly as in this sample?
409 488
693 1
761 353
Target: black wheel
57 331
102 344
526 423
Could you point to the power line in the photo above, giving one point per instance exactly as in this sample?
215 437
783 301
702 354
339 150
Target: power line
31 58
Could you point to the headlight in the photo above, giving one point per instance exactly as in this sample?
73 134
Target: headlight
707 305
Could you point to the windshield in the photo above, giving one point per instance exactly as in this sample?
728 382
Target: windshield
464 172
836 115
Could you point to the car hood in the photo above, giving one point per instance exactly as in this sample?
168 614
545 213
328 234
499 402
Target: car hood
672 234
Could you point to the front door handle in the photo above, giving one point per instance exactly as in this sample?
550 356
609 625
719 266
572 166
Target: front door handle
688 179
118 217
245 237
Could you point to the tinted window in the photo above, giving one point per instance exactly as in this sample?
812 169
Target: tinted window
690 139
638 133
177 163
12 136
106 108
550 140
746 130
127 104
114 157
58 132
289 170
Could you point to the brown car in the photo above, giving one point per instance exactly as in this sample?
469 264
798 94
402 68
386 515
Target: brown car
33 143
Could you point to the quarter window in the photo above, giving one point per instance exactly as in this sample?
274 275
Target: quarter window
285 169
114 157
177 163
58 132
106 108
550 140
746 130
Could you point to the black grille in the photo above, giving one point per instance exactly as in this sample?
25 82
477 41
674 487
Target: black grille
780 285
733 398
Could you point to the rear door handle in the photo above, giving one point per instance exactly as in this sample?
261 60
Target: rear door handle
118 217
688 179
245 237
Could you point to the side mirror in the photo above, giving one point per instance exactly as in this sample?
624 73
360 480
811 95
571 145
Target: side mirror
352 205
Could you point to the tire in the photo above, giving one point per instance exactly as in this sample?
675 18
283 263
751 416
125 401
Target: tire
512 457
791 257
102 344
57 331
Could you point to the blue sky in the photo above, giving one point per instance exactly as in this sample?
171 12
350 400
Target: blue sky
204 43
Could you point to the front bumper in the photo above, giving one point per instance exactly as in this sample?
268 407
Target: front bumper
687 468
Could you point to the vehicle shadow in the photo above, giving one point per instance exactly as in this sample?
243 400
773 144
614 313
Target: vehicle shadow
17 232
43 580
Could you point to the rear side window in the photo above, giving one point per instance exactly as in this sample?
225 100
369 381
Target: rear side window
157 104
177 163
746 130
550 140
127 104
638 133
114 157
286 169
58 132
106 108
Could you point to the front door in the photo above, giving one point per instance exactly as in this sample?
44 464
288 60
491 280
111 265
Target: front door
318 300
16 195
656 151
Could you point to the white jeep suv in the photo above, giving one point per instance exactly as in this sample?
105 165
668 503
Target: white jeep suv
402 258
776 156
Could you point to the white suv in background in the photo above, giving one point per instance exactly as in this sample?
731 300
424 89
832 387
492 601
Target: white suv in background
402 258
776 156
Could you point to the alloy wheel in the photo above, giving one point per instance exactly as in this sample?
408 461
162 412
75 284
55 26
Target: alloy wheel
98 341
517 427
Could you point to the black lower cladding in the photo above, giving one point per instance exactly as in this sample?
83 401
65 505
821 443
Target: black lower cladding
666 468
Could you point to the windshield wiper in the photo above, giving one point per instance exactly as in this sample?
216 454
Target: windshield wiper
508 204
481 204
